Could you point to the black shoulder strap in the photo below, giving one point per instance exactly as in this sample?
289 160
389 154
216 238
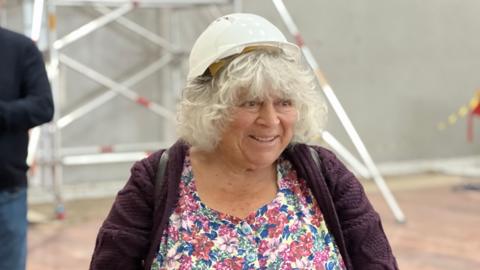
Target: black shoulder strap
160 175
314 155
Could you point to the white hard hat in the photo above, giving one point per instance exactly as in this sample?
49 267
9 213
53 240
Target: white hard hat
231 34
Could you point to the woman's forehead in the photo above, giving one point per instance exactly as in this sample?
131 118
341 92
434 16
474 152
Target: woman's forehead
262 93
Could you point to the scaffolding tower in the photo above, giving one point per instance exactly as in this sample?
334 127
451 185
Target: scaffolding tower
54 155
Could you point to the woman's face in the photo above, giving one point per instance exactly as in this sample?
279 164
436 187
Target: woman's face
258 132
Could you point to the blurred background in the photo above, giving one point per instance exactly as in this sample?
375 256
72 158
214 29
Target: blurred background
406 74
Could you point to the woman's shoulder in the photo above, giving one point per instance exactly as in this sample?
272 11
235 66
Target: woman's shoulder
327 157
147 167
323 153
331 166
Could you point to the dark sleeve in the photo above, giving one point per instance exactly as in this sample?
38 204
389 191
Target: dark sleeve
35 106
365 240
124 238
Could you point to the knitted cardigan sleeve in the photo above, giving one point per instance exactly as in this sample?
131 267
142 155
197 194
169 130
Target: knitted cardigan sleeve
365 239
124 237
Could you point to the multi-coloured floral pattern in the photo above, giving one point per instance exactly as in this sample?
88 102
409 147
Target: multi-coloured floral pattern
287 233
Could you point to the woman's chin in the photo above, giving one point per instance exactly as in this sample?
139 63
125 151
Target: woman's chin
262 160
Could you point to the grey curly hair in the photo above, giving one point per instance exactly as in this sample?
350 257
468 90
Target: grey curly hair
204 110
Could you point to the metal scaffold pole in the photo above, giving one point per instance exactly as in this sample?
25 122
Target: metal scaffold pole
55 135
369 168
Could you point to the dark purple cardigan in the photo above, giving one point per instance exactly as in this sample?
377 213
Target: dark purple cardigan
130 236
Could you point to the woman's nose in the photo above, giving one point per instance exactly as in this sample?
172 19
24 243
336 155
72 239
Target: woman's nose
268 115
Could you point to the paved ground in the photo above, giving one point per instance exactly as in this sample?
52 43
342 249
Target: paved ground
442 228
66 244
441 232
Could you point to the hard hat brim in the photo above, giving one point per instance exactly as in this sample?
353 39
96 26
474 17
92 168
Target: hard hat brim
288 48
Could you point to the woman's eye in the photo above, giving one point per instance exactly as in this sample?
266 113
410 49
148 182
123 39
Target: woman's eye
249 104
286 103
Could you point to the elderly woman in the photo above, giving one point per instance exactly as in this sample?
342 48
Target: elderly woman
240 189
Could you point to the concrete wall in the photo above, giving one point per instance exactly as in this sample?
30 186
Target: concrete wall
398 67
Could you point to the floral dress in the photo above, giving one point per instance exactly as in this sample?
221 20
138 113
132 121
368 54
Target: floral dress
287 233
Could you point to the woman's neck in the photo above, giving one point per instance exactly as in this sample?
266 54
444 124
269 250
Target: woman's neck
232 189
238 173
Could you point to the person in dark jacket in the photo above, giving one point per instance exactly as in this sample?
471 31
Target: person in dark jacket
241 189
25 102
